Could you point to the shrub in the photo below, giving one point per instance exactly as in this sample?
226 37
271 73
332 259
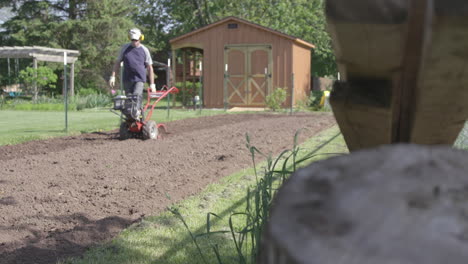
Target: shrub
191 89
44 107
303 105
91 101
44 103
275 99
87 91
314 99
42 76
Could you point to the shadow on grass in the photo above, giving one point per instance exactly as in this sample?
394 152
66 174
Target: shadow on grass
223 216
54 245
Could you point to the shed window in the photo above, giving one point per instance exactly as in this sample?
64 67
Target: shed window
232 25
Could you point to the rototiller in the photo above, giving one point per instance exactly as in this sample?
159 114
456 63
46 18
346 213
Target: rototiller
136 122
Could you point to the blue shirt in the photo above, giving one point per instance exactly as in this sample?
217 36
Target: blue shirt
135 60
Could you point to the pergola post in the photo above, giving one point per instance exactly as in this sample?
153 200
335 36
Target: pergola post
35 76
9 71
173 73
72 79
184 76
174 78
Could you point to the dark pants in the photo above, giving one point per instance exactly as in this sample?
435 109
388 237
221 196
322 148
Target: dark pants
135 88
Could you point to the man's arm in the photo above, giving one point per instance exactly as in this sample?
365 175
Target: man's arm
151 77
116 67
112 77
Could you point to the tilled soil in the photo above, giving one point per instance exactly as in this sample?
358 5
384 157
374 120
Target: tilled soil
60 196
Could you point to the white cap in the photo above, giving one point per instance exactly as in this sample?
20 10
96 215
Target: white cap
134 33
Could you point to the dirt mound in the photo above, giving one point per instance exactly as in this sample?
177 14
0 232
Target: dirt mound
60 196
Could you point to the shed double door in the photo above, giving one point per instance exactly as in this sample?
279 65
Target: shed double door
247 75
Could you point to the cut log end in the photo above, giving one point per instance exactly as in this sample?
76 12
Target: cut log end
404 204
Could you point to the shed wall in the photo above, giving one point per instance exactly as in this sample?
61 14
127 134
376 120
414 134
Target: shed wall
301 70
213 41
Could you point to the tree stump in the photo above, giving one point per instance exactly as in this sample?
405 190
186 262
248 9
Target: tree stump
398 204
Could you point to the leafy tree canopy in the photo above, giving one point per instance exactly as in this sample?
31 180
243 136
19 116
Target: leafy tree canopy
97 28
301 18
42 77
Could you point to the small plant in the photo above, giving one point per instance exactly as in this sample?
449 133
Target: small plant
315 100
275 99
246 227
87 91
46 103
91 101
303 105
188 91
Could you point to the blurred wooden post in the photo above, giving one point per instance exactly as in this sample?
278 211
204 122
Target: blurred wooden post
390 205
9 73
72 79
184 76
292 93
35 77
400 65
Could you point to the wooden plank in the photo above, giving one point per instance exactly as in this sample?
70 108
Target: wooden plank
363 112
420 19
39 53
441 108
53 58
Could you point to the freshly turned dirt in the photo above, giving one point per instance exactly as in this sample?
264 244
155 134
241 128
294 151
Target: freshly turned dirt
60 196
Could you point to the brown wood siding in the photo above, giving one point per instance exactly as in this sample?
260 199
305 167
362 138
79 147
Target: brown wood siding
301 70
214 40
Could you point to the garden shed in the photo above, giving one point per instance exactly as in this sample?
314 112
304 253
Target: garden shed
240 63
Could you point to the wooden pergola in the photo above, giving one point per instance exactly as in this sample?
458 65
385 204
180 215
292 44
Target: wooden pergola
37 53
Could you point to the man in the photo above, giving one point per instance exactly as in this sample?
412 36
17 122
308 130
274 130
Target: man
137 63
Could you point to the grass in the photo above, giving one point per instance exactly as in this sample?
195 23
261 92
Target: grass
164 238
462 140
21 126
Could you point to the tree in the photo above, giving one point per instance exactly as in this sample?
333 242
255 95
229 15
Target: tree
304 19
36 79
97 28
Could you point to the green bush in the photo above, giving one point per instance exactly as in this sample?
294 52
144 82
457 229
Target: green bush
91 101
44 103
314 99
44 107
87 91
275 99
303 105
191 89
43 77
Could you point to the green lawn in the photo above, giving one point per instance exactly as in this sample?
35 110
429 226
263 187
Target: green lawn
21 126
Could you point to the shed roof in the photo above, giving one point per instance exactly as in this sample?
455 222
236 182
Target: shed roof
39 53
239 20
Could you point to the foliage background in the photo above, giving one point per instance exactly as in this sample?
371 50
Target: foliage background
97 28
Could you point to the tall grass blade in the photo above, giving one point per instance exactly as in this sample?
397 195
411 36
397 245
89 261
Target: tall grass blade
236 242
218 256
176 212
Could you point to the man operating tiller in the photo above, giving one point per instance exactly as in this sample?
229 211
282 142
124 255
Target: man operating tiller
137 63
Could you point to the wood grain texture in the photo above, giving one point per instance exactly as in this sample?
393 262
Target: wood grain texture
398 204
